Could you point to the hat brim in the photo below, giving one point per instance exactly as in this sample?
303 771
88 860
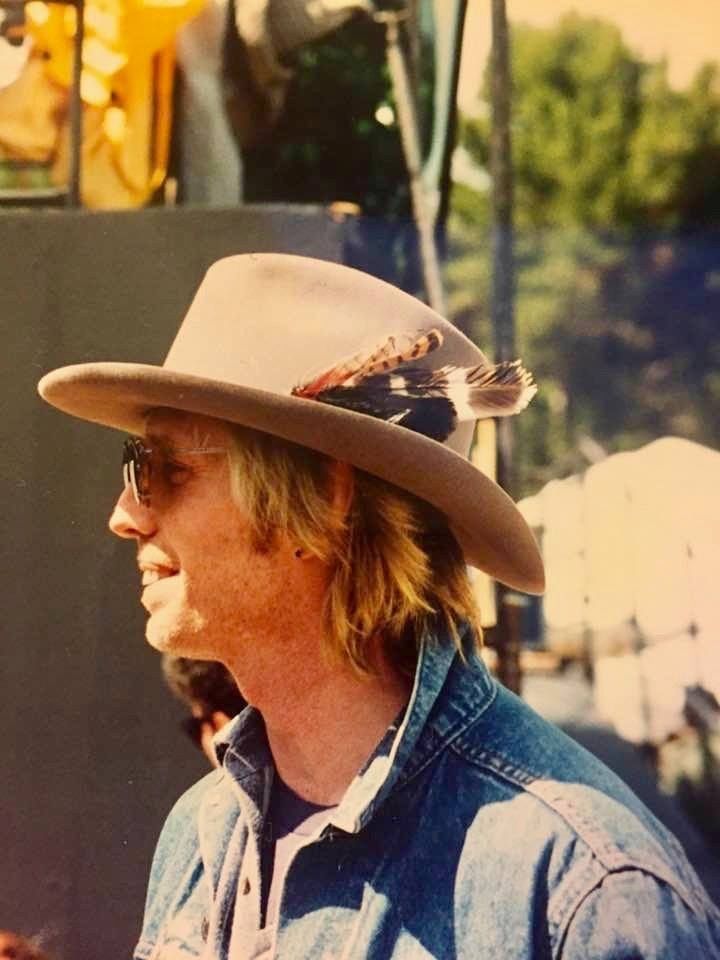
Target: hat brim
491 531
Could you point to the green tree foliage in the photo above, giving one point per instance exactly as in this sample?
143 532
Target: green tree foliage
577 104
618 249
675 151
328 145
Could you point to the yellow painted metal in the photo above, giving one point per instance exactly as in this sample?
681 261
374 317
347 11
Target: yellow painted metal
126 90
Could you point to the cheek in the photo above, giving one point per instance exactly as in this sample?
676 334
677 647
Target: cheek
225 567
221 565
218 544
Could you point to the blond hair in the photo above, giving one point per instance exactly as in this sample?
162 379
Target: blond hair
395 565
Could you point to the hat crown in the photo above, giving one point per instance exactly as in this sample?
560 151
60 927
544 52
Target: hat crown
271 321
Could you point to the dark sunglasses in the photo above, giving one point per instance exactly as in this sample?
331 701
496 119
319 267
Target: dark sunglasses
137 469
137 466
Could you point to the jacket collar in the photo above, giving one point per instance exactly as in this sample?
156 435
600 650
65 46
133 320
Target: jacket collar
449 693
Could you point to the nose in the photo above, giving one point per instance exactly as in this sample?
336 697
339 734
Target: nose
131 519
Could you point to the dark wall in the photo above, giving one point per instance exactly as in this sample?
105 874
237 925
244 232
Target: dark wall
92 755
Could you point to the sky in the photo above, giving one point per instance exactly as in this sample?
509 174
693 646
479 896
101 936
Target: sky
687 32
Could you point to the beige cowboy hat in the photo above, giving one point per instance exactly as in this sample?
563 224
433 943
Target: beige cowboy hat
341 362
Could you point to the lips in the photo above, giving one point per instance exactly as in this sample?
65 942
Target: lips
152 575
155 565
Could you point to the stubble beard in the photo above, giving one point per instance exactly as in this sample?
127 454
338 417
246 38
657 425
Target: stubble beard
183 634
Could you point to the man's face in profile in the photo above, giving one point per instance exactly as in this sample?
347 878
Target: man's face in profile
204 583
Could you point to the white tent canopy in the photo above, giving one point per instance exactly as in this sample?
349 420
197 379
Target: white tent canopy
632 555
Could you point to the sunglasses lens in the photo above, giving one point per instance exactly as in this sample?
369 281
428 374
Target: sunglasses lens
136 469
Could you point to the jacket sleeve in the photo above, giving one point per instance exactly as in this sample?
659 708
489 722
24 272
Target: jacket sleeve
632 915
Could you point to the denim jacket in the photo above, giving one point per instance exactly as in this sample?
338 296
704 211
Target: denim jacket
476 830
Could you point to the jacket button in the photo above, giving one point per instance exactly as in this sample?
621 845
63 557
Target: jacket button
246 887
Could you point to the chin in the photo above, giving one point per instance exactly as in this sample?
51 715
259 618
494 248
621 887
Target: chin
161 640
179 638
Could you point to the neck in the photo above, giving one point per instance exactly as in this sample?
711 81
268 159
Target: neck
323 720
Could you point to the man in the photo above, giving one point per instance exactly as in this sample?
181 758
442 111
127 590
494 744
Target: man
303 510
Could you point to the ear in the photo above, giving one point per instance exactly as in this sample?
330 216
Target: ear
342 486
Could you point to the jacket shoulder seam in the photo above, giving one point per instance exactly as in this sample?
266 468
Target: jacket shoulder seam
582 892
600 845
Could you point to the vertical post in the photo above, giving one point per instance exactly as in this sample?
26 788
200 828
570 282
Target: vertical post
502 308
410 137
73 195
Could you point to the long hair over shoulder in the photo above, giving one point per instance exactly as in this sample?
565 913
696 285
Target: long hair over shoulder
396 567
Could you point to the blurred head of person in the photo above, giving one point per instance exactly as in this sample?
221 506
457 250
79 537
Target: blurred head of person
209 691
13 946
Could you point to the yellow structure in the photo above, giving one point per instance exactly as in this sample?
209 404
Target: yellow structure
126 91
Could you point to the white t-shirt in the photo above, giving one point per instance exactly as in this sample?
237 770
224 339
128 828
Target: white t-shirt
290 821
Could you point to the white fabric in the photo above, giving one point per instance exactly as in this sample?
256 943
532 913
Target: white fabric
632 555
269 28
211 167
285 849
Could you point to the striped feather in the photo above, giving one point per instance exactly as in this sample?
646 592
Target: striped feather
353 370
389 385
488 390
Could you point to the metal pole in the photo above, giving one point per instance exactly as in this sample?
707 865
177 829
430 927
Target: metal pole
73 196
502 307
410 136
503 279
